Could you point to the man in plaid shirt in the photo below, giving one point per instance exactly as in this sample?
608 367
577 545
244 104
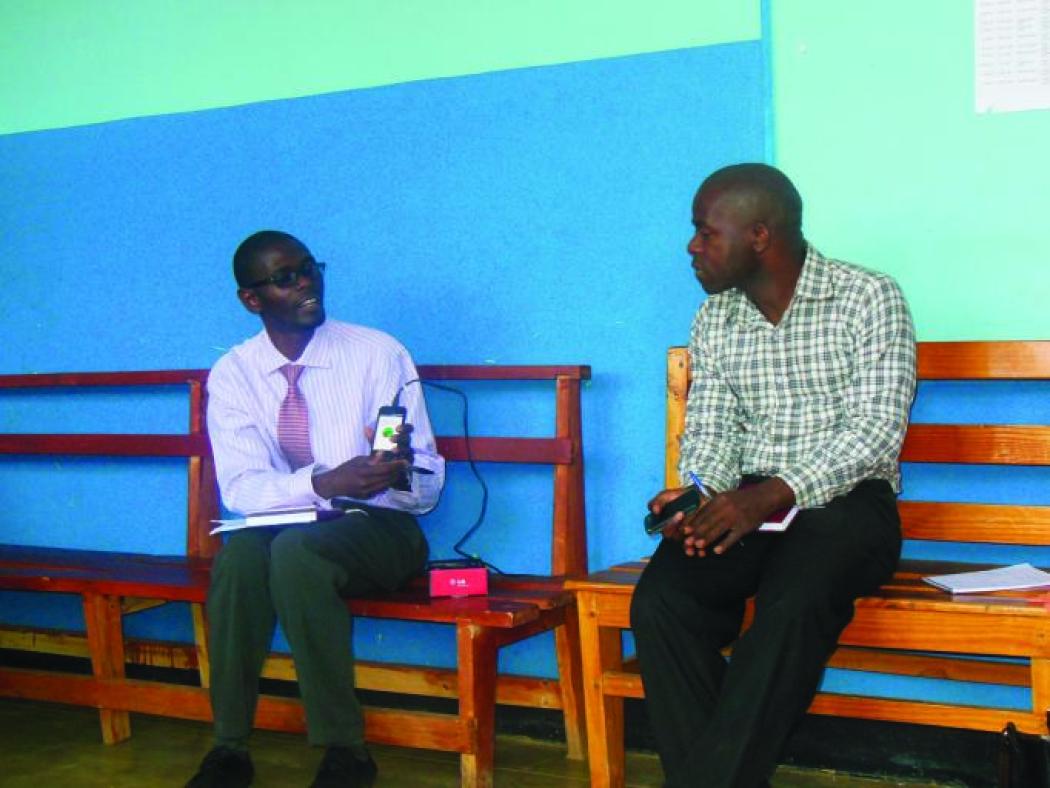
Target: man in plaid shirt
803 374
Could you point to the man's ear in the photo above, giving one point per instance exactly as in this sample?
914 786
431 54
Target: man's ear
760 237
250 300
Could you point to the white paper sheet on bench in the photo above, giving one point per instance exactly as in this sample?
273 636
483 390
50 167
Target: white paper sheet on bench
1003 579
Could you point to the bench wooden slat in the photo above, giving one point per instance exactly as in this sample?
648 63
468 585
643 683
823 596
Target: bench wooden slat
513 601
420 729
101 560
975 522
627 683
932 625
905 589
484 611
1007 360
106 445
891 662
930 666
172 587
157 377
977 444
548 451
950 715
503 372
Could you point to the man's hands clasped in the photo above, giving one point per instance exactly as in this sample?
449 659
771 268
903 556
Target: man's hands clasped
724 519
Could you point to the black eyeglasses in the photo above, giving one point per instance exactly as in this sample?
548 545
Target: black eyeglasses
290 277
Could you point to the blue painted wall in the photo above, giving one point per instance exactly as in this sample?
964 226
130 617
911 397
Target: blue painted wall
529 216
535 215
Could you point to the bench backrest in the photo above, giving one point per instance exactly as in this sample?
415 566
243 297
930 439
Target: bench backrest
563 449
202 498
965 444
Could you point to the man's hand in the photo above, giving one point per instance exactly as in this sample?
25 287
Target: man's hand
403 439
730 516
361 477
673 528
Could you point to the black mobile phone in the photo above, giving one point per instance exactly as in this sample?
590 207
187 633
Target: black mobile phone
390 418
687 502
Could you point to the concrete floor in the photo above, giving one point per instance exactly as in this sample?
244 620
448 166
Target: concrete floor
51 745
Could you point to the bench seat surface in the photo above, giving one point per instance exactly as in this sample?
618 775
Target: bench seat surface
513 600
171 577
906 589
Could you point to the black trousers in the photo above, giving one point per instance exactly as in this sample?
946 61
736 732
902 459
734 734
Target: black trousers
723 725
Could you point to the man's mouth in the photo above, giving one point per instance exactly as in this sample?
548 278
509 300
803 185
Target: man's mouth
311 301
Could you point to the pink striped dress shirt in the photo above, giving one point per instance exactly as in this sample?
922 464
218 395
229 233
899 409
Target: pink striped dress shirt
350 371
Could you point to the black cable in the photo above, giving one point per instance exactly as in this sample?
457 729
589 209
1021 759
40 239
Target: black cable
458 546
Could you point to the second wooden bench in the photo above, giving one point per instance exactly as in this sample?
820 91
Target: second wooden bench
909 628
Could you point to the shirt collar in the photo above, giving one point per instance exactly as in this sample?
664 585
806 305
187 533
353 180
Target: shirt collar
318 352
814 283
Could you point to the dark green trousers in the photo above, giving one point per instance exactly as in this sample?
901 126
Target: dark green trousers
299 576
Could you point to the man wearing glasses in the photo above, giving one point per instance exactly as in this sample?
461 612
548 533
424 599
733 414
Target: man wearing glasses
290 415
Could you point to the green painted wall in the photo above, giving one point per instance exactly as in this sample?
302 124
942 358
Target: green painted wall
71 62
874 119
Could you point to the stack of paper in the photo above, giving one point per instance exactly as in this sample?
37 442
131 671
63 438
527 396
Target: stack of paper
1002 579
287 516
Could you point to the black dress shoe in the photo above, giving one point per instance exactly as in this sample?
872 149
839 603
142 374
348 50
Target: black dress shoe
224 767
340 768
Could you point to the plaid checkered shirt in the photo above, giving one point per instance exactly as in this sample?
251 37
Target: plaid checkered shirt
820 400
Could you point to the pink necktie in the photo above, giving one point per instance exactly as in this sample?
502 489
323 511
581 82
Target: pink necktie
293 421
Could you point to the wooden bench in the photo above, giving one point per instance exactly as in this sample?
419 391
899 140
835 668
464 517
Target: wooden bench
909 628
113 585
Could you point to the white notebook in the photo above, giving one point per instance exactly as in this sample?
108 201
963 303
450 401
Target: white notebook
295 515
1003 579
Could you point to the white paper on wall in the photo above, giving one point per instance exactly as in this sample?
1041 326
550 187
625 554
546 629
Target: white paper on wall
1011 55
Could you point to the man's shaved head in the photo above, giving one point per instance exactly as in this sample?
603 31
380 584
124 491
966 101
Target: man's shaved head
759 193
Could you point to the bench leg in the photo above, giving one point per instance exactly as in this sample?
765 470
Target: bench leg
567 645
602 651
105 635
476 649
1040 667
200 639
